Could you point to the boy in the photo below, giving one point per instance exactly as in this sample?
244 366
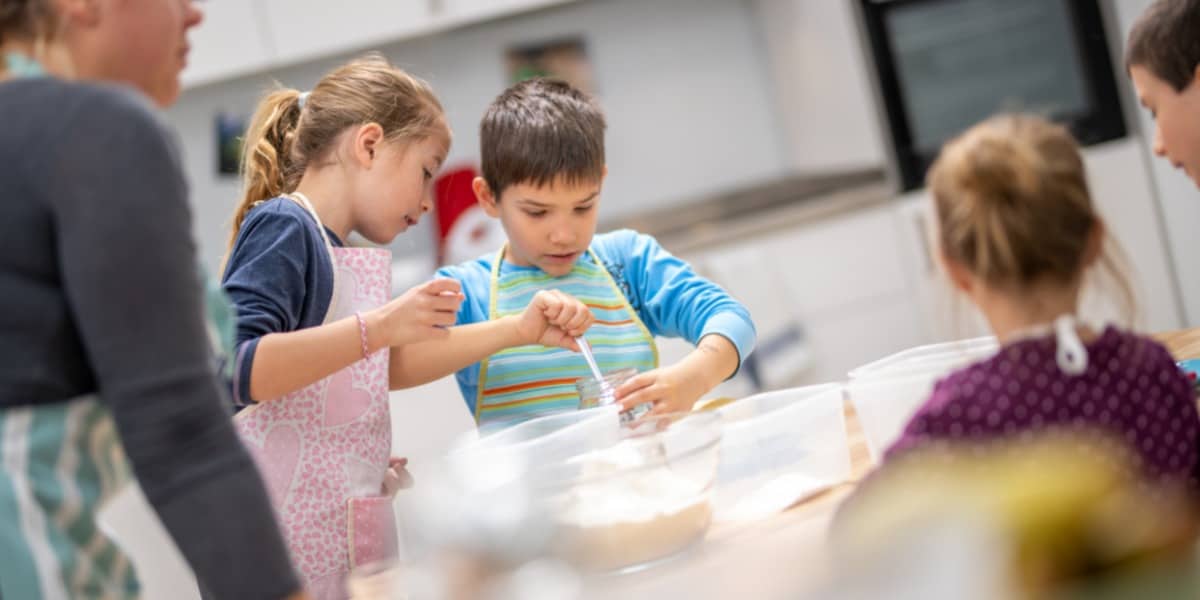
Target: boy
1163 59
543 163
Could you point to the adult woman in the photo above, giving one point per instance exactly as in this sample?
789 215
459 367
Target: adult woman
104 360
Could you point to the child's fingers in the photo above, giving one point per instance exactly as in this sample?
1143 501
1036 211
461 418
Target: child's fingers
437 332
650 393
636 384
580 321
441 318
549 303
567 341
565 314
444 303
438 286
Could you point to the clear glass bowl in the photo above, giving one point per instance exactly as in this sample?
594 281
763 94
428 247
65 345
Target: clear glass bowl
646 498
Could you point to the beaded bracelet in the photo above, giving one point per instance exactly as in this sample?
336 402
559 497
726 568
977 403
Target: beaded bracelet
362 333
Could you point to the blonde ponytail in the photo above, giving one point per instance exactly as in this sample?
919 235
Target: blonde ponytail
268 169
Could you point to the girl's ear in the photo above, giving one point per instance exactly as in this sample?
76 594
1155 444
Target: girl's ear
365 144
960 277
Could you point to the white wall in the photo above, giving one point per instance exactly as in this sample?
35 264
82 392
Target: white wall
821 84
684 84
1178 198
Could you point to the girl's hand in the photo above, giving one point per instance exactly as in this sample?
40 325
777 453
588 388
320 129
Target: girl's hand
422 313
397 476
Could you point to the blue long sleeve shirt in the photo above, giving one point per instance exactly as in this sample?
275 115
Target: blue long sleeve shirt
668 295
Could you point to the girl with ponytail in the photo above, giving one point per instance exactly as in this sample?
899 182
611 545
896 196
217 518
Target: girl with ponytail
313 366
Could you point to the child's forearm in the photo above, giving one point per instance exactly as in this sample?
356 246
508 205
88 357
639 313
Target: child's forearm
286 362
423 362
714 360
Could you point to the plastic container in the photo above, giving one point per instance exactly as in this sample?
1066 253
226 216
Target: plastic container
644 499
926 356
779 447
886 393
545 440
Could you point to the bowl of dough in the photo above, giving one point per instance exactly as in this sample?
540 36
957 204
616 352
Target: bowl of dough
646 498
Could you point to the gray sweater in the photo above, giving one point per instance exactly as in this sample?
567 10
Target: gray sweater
99 294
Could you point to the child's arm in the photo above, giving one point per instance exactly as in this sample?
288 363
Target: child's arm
551 319
677 387
285 362
674 301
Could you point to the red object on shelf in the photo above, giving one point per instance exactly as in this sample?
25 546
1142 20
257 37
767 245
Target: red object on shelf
464 229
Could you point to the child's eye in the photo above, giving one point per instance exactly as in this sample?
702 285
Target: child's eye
536 213
428 174
583 209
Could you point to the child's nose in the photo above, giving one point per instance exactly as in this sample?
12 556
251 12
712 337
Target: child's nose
562 235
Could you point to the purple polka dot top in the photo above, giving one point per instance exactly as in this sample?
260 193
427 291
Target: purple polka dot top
1131 389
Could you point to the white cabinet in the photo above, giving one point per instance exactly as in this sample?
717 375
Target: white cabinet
845 279
943 313
822 84
470 11
1124 194
230 41
303 30
240 37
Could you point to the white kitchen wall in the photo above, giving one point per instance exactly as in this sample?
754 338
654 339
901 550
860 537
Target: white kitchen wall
684 84
821 84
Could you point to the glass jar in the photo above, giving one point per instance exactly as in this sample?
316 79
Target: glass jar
594 392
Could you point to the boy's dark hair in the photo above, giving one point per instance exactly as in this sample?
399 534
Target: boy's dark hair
541 131
1166 41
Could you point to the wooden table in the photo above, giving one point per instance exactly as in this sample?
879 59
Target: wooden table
777 557
1183 344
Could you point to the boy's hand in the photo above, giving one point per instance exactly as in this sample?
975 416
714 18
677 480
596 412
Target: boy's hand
554 319
669 389
677 388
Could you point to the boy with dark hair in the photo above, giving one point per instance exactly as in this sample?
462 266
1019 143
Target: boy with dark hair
1163 59
542 145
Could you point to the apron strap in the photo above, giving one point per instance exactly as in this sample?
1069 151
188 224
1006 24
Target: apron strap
303 201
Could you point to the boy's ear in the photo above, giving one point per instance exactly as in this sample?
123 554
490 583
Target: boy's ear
485 197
